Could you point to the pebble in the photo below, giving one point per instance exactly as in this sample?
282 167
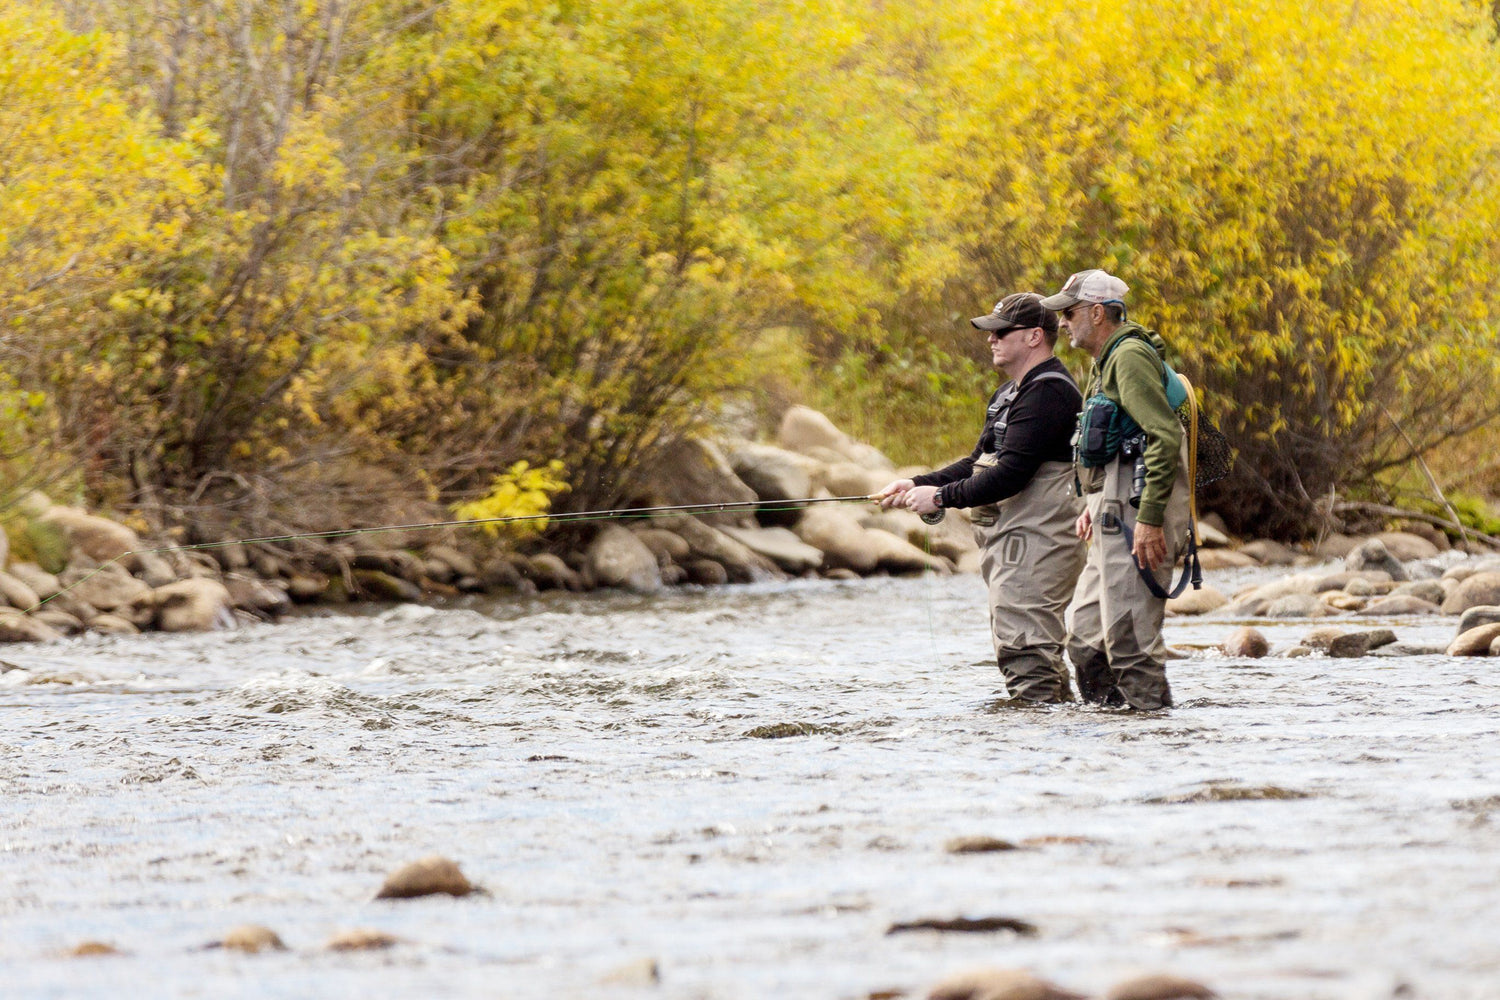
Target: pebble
92 949
427 877
977 845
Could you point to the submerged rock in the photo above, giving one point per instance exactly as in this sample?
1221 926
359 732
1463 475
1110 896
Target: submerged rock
1159 986
1359 643
1247 642
999 984
978 844
252 939
361 939
428 877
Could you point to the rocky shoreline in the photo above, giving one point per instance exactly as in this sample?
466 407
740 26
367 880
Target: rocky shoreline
90 573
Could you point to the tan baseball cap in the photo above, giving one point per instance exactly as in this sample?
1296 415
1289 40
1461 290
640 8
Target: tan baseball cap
1088 286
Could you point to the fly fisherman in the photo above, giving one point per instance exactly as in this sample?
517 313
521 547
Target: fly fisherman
1018 487
1132 465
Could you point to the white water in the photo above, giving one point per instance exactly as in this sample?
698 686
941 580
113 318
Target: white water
589 760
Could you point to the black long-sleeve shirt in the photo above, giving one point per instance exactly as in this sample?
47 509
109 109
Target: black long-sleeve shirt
1039 429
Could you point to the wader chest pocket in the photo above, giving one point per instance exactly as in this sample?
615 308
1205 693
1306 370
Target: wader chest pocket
985 515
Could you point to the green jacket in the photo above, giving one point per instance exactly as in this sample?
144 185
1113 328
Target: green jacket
1132 377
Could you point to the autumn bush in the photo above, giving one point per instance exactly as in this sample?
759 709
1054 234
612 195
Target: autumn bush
297 263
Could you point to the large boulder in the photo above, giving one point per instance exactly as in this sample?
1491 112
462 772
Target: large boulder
803 428
17 627
897 555
1213 560
694 471
1335 546
1372 554
1482 588
193 605
776 475
96 537
952 537
618 558
780 545
850 479
458 562
836 532
150 568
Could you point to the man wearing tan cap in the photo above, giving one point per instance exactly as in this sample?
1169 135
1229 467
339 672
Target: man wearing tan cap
1114 634
1017 485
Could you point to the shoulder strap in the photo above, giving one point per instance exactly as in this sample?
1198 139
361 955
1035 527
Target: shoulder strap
1191 567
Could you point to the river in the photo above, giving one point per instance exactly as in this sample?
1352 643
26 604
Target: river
748 785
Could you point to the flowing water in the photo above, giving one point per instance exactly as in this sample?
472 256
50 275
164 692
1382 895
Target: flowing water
749 785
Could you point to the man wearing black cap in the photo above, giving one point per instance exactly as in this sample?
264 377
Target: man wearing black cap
1018 487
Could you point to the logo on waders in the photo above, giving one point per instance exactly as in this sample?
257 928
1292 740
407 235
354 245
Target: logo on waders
1013 549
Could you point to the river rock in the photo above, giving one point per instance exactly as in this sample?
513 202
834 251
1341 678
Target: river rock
850 479
1372 554
378 585
1341 581
460 563
62 621
780 545
977 844
1159 986
97 537
1359 587
1335 546
706 542
1429 532
802 428
70 602
430 876
549 572
1430 591
361 939
232 557
776 475
1340 601
1295 606
1353 644
16 593
305 587
263 598
1480 589
106 588
1400 604
1213 560
252 939
1197 602
1212 537
640 973
1269 553
617 558
150 568
668 547
836 532
706 572
1246 642
193 605
44 584
93 949
391 562
999 984
437 571
18 627
898 556
1475 642
1484 614
1406 546
694 471
111 624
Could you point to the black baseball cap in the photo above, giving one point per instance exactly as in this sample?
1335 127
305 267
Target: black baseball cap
1020 310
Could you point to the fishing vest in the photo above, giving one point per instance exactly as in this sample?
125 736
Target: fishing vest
1104 426
997 416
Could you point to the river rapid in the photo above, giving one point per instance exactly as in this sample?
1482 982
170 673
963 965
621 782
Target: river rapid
749 785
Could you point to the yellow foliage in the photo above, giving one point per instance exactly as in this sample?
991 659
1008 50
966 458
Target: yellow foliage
523 491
